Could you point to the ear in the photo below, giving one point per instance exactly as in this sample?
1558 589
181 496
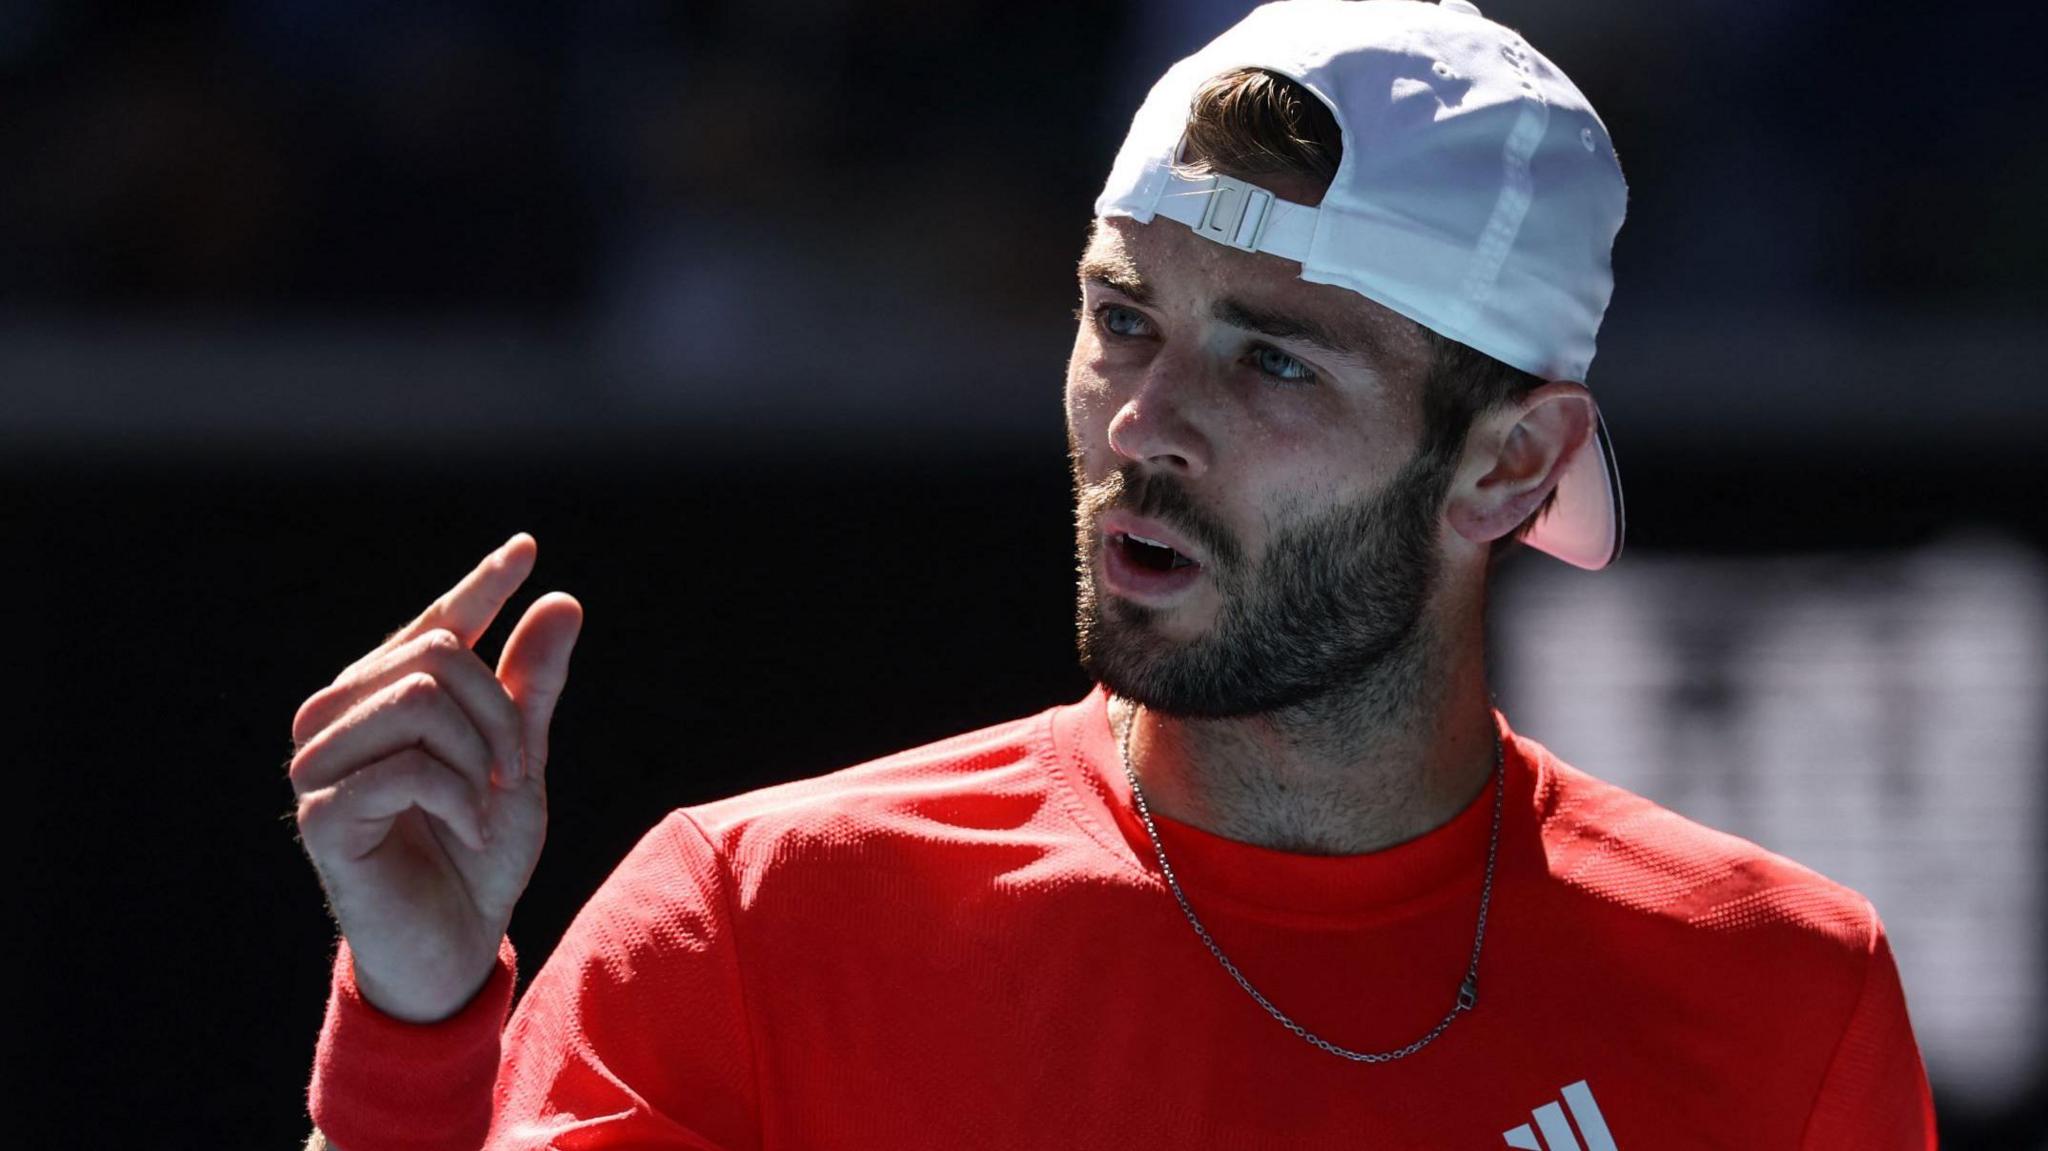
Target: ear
1514 457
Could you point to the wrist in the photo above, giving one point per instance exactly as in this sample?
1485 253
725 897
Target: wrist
408 1000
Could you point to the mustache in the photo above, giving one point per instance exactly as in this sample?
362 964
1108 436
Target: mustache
1154 495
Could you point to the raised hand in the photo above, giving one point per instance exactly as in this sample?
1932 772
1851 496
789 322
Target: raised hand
421 777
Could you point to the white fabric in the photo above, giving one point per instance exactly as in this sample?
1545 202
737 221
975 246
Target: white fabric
1287 229
1478 195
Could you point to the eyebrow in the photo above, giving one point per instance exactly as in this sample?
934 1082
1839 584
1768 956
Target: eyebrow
1282 326
1120 276
1116 275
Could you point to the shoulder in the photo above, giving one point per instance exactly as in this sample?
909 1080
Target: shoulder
1741 956
1644 861
995 776
835 834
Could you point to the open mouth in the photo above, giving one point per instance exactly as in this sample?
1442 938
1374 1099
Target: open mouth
1150 554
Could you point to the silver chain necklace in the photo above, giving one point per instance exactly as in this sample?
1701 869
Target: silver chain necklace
1468 991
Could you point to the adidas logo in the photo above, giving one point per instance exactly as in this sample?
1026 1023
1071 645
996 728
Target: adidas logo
1557 1131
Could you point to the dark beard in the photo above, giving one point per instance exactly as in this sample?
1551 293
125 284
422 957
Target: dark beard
1332 619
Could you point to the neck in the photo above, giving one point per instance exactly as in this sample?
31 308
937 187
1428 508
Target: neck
1347 772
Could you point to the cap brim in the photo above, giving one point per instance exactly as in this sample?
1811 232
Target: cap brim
1584 525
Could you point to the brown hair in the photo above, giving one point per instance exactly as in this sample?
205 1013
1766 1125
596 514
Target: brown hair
1251 123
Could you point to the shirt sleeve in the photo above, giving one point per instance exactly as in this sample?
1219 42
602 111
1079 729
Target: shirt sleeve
633 1034
383 1084
1875 1094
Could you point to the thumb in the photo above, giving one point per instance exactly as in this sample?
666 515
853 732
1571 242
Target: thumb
534 668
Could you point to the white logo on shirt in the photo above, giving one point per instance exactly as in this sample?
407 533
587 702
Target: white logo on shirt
1557 1132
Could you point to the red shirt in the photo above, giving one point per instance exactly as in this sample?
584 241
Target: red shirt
969 945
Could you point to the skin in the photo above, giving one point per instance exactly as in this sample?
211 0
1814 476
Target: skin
1160 389
421 770
421 776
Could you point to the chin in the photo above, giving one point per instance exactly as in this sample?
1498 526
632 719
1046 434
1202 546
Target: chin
1161 658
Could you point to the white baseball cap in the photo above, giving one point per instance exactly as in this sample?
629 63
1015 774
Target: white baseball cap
1478 195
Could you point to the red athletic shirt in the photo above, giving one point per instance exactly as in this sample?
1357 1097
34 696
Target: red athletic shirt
970 945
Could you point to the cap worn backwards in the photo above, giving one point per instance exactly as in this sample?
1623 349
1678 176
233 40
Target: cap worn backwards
1478 194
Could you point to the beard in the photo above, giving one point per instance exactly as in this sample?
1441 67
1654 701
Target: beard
1331 618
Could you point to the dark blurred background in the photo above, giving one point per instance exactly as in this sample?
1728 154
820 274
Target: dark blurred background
756 315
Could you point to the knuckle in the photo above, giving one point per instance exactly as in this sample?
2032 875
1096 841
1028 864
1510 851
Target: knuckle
322 708
423 778
452 660
407 770
395 773
296 772
313 808
304 721
429 775
417 691
319 816
441 641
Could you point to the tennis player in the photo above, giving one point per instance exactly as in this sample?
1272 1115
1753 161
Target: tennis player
1286 877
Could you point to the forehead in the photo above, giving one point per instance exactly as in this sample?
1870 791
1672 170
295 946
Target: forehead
1181 270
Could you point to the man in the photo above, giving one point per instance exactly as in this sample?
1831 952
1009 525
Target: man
1286 878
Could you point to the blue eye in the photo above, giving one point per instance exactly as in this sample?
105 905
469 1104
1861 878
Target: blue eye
1281 366
1118 320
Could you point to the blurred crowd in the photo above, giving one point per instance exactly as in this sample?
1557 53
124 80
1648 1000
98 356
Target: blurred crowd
336 225
636 159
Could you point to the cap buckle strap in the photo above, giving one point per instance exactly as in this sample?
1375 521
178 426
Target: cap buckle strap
1235 213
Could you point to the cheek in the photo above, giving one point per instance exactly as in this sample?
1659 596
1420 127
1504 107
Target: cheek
1340 449
1087 396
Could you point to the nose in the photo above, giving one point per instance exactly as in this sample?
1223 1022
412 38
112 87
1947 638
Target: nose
1158 423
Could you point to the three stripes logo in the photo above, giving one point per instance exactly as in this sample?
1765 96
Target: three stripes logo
1557 1130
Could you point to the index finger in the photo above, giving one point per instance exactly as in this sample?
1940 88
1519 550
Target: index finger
468 608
